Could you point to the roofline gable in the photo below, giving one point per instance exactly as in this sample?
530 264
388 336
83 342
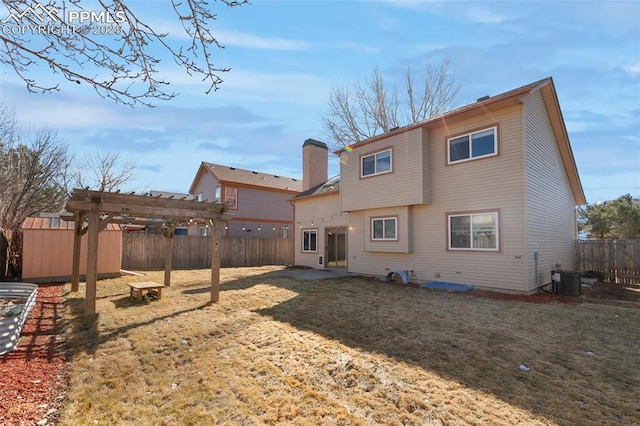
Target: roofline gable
202 169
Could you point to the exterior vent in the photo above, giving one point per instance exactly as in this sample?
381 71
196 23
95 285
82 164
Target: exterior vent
394 128
484 98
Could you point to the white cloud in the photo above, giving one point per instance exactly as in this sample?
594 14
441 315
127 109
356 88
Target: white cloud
252 41
632 70
484 16
175 30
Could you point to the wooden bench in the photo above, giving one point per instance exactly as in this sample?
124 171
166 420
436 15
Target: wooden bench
151 287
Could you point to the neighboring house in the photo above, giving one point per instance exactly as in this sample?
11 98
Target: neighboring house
483 195
259 202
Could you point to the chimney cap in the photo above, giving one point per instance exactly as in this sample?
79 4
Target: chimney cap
315 142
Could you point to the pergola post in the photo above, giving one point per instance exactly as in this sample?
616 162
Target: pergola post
92 262
77 242
168 252
216 234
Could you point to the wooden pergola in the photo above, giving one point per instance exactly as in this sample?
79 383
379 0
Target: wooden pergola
98 208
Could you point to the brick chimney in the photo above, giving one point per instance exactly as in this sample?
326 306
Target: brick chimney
315 157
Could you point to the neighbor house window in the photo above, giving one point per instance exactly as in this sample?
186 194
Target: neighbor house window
284 232
310 240
482 143
216 195
376 164
203 231
231 197
198 196
473 231
384 228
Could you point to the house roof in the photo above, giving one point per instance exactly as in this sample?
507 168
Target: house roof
328 187
168 194
487 104
228 174
53 221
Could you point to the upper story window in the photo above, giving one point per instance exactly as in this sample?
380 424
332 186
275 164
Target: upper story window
482 143
198 196
375 164
310 240
384 229
231 197
216 194
473 231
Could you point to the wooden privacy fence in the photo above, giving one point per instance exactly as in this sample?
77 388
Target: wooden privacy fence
617 260
146 251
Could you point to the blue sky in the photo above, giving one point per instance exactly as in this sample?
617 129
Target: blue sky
286 55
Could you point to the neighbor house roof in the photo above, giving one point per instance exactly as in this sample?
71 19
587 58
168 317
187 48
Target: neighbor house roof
228 174
489 104
329 187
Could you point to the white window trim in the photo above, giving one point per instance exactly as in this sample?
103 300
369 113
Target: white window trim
497 216
471 158
395 219
315 231
228 189
376 173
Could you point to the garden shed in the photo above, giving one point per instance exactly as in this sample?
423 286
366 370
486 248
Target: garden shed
47 250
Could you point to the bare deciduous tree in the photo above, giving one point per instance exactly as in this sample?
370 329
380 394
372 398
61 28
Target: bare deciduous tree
119 61
34 172
104 172
371 107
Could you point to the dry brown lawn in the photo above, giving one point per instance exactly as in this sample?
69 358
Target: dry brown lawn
278 350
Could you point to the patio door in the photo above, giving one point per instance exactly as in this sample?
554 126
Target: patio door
336 250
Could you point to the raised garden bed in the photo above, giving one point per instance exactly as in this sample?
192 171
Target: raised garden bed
16 301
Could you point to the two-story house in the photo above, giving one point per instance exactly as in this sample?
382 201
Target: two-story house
259 202
483 195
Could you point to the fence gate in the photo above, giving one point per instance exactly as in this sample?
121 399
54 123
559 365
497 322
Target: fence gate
617 260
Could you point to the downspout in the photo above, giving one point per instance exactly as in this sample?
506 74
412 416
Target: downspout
293 234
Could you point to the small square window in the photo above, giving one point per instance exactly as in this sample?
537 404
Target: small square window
385 228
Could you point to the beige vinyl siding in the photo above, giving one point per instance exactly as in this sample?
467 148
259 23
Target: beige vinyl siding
318 213
494 183
403 186
551 221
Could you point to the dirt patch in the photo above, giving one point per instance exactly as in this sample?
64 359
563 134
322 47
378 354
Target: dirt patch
32 377
605 291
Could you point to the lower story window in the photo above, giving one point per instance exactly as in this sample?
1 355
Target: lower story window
310 240
384 228
473 231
